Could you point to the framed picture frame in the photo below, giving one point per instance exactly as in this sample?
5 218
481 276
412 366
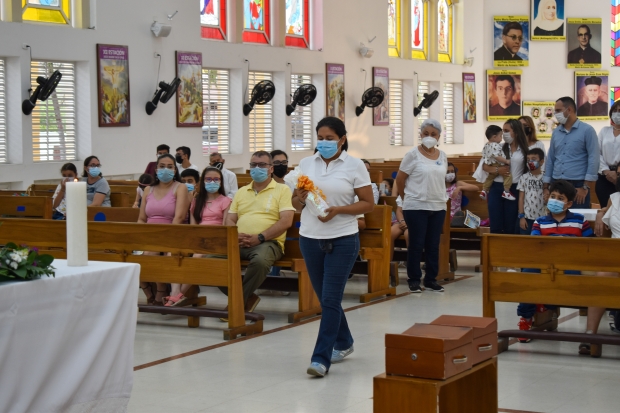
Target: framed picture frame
511 43
113 108
189 94
592 95
381 79
504 90
334 93
584 41
548 20
469 98
542 113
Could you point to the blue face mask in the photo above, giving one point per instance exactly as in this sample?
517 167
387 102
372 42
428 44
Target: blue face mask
212 187
94 171
259 174
554 206
327 149
190 187
165 175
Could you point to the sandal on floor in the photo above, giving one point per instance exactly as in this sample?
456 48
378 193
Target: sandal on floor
148 290
175 300
584 349
160 303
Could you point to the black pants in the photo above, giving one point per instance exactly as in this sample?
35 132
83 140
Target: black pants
603 190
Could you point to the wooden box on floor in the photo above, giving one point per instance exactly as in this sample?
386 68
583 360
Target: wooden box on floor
485 334
429 351
473 391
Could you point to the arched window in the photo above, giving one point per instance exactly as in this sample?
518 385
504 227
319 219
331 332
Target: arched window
419 29
393 15
297 29
213 19
256 21
47 11
444 30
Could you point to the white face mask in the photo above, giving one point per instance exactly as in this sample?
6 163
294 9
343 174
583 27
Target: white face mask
615 118
561 118
508 138
450 177
429 141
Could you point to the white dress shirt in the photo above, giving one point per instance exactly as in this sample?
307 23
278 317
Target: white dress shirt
230 183
610 148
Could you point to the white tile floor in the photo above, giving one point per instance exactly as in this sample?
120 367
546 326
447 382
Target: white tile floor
268 373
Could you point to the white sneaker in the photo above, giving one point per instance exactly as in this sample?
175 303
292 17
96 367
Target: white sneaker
339 355
507 195
483 195
317 369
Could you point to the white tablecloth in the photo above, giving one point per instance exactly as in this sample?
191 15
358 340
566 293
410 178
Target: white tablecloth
588 214
66 343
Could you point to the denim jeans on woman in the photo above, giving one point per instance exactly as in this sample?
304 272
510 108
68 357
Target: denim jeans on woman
502 212
424 235
329 262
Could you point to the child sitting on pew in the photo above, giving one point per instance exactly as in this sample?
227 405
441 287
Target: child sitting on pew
144 181
560 222
69 174
191 177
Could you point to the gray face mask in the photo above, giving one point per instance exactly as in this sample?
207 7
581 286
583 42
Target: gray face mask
615 118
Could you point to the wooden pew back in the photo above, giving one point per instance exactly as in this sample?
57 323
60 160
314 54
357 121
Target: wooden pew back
105 214
26 207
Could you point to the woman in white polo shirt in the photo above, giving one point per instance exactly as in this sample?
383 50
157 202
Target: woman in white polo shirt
330 245
421 184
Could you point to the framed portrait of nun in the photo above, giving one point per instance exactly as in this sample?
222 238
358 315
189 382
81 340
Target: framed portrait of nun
548 20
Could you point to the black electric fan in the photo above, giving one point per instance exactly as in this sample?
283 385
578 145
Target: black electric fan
46 87
163 94
371 98
303 96
262 93
429 99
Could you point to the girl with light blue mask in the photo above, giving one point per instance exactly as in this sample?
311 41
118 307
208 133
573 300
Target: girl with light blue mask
97 188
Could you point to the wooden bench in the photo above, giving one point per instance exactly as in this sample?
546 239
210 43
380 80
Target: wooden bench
106 214
26 207
553 256
109 241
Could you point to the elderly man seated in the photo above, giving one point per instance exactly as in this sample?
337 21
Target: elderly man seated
262 212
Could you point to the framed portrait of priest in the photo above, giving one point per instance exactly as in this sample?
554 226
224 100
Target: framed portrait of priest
592 95
503 94
548 20
583 38
511 41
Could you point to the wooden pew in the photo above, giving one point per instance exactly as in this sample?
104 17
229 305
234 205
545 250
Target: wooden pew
106 214
122 182
12 192
553 256
26 207
109 241
117 199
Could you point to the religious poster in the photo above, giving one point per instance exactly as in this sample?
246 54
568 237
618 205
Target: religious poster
503 94
592 95
381 79
510 41
583 38
335 90
189 94
548 20
469 98
113 85
542 113
418 29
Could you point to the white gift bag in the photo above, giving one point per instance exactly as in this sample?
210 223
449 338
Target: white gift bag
480 175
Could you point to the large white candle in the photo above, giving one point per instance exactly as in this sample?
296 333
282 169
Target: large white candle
77 230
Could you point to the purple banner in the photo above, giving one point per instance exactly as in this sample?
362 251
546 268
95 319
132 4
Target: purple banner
184 58
469 77
113 52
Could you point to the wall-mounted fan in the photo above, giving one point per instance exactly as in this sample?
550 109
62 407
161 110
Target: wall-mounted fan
303 96
163 94
429 99
46 87
371 98
262 93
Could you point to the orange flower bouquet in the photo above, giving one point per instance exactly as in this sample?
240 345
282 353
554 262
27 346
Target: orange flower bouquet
316 202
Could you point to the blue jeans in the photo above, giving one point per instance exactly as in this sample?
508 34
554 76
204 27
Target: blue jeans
527 231
275 271
58 216
586 202
424 235
528 310
329 262
502 212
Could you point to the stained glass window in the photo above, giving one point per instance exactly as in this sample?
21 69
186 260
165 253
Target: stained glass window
297 27
213 19
444 30
47 11
393 15
614 95
419 27
256 21
615 32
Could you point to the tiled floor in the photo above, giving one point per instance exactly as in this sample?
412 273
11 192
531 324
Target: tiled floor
268 373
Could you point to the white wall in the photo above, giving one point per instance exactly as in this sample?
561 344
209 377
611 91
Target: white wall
122 151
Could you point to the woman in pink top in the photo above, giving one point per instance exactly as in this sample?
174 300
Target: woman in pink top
164 202
210 206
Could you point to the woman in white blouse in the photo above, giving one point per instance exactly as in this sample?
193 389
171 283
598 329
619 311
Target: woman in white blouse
421 183
609 145
331 244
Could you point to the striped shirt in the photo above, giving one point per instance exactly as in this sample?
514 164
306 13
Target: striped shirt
573 225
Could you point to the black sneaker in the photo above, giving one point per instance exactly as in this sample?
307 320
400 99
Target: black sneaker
414 287
434 287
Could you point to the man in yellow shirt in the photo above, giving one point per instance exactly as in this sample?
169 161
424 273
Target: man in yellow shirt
262 212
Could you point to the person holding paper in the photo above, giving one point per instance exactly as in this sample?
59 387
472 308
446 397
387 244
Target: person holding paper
330 243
